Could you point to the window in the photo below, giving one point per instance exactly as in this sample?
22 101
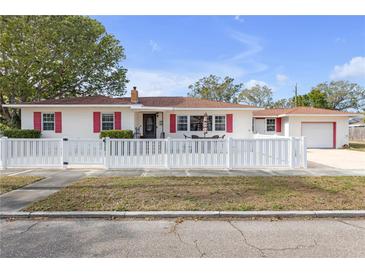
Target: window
107 121
220 123
182 123
196 123
48 121
270 124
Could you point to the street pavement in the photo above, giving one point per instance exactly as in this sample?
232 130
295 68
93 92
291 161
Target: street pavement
188 238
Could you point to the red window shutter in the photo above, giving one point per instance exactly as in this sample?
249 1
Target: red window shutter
58 122
172 123
117 120
37 121
96 122
229 118
278 124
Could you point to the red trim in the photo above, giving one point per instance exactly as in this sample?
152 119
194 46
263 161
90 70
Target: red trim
229 118
172 123
334 132
37 121
117 120
58 122
96 119
278 124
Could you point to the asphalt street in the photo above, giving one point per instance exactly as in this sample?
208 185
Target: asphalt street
188 238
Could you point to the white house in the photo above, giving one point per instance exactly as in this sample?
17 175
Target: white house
153 117
324 128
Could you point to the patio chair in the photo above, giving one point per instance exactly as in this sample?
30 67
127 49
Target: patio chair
223 136
186 137
194 137
215 137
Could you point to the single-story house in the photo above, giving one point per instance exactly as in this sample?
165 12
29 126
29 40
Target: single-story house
152 117
323 128
177 117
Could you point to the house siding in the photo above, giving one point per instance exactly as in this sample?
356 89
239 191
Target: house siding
76 122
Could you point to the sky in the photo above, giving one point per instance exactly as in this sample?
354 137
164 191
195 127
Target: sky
165 54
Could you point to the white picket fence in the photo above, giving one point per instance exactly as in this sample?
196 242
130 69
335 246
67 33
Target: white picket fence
155 153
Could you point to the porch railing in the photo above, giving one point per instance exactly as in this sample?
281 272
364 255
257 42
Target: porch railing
155 153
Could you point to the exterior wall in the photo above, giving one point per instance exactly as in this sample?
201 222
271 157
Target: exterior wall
342 127
76 122
262 129
242 124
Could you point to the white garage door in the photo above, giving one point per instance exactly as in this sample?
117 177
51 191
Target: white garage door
319 135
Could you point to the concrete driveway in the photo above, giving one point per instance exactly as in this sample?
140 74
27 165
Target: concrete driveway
336 158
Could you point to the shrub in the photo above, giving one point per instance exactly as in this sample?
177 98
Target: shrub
22 133
3 127
117 134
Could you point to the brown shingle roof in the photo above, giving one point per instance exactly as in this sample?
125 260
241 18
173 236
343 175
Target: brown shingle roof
178 102
297 111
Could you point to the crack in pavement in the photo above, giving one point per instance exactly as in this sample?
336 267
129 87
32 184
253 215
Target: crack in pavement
346 223
32 225
177 234
246 241
261 250
202 254
292 248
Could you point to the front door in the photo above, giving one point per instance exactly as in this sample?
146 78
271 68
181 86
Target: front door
149 125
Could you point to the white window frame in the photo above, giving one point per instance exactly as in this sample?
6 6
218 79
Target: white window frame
54 121
267 124
101 120
225 123
187 123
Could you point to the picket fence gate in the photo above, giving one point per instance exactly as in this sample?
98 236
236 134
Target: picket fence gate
154 153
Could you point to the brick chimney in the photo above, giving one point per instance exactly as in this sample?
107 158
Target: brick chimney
134 95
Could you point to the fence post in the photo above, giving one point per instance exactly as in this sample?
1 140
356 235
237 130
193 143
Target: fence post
168 152
107 152
304 152
229 152
4 152
291 152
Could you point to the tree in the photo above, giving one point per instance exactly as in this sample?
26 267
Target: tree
260 96
45 57
283 103
216 89
343 95
315 98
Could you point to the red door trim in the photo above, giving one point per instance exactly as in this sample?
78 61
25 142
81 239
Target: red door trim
334 132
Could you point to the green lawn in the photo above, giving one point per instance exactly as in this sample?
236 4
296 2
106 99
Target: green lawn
208 193
9 183
359 146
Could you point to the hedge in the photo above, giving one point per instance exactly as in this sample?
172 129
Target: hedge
117 134
22 133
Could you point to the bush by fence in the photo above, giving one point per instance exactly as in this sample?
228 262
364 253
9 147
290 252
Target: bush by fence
22 133
117 134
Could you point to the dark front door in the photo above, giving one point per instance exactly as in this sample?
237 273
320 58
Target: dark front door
149 125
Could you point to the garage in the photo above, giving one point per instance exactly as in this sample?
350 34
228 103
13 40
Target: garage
319 134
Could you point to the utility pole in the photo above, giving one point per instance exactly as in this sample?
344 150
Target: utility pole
296 95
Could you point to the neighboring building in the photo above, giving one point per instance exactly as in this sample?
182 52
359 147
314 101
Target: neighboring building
324 128
153 117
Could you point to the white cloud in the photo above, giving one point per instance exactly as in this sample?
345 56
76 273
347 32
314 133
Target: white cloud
239 18
252 83
281 78
159 82
154 46
353 69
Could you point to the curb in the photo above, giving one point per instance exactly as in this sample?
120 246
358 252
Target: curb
185 214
